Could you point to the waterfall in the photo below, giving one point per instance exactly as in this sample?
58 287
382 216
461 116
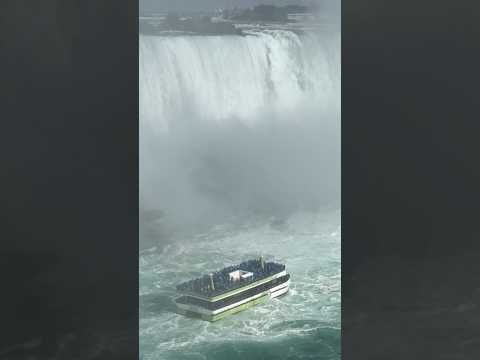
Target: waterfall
238 125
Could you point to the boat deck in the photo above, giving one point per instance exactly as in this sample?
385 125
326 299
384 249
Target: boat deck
223 284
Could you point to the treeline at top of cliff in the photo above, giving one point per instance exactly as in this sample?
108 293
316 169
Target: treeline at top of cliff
264 13
223 22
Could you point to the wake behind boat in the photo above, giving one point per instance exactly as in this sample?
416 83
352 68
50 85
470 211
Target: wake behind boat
232 289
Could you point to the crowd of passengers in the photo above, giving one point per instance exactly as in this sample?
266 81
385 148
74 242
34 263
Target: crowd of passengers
222 281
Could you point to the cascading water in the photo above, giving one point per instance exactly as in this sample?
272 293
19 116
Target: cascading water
240 151
239 125
232 77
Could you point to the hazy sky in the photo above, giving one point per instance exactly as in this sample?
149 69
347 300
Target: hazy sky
195 5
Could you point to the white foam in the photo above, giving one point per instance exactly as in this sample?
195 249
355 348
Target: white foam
313 300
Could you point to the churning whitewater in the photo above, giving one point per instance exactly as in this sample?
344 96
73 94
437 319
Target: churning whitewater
240 156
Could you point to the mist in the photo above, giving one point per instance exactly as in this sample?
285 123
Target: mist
239 128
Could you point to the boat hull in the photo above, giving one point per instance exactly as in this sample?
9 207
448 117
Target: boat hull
218 313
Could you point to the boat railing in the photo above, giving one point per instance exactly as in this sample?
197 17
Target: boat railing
222 282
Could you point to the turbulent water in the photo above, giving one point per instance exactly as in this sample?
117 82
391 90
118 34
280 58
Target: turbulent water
240 156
